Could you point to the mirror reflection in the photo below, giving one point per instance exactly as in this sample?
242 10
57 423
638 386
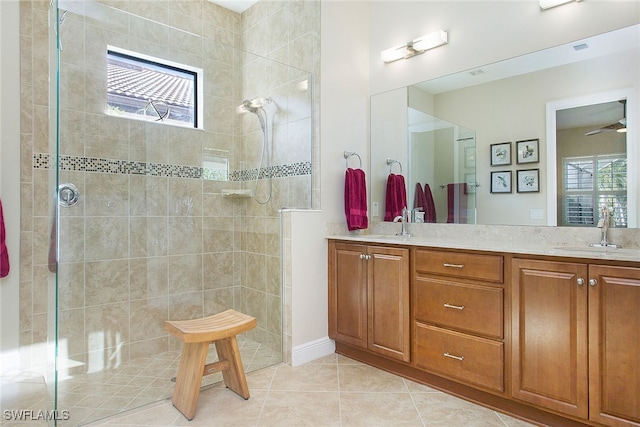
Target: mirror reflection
442 169
509 103
592 165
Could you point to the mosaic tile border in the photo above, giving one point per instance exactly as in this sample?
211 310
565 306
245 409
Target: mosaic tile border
127 167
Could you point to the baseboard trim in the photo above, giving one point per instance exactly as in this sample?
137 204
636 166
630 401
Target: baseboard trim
312 350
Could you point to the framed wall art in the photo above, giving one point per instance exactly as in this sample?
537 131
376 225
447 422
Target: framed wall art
528 181
528 151
501 154
501 182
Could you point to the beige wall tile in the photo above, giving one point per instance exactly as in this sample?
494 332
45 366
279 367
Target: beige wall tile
185 197
148 236
186 306
71 337
148 195
106 282
106 194
149 277
185 235
185 274
106 238
147 319
218 300
106 333
70 285
217 270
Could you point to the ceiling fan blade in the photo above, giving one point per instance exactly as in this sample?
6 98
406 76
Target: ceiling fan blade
609 128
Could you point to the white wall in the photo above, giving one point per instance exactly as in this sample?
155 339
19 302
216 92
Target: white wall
344 125
481 32
10 176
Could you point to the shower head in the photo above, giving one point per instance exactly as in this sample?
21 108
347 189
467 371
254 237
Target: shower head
251 106
254 105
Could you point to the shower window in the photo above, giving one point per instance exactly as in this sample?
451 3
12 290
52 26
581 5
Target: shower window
143 87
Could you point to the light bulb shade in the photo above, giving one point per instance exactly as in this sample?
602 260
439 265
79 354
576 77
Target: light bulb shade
414 47
547 4
394 53
430 41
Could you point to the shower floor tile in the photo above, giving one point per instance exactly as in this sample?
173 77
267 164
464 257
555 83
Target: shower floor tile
88 397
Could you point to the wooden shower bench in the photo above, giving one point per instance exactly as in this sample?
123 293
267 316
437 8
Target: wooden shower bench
197 334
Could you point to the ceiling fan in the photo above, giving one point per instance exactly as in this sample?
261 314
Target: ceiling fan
619 126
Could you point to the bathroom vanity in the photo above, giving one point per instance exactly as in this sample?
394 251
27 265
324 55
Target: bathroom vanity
550 335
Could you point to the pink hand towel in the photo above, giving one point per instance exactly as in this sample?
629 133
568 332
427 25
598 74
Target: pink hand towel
419 201
355 199
396 197
4 253
430 206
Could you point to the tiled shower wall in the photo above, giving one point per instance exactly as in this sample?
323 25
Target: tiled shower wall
150 240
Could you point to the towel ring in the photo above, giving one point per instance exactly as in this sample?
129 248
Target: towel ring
390 163
348 154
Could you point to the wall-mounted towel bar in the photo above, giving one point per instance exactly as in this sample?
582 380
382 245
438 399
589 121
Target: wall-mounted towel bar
472 184
348 154
390 163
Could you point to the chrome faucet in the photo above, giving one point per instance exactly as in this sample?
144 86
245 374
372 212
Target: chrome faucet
404 219
603 224
414 215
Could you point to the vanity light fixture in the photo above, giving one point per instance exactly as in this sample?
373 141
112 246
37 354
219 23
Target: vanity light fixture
414 47
548 4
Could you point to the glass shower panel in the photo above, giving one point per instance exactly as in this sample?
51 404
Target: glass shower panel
442 155
51 372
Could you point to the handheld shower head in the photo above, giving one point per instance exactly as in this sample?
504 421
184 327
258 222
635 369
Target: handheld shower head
249 106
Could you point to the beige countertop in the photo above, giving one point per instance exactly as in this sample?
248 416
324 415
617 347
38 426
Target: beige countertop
522 246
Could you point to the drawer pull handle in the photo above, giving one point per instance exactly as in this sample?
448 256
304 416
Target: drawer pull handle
457 307
460 358
446 264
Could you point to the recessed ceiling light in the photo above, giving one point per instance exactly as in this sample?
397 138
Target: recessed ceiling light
477 72
581 46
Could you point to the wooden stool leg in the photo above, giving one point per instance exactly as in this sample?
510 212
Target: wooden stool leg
234 377
189 378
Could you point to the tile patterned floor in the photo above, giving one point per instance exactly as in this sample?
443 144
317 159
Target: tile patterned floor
94 396
331 391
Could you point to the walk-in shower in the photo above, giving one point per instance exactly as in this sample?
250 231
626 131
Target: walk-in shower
153 236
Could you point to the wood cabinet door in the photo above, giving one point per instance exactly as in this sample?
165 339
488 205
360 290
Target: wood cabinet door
614 345
549 335
348 293
388 293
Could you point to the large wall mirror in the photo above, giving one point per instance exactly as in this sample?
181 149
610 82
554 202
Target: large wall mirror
533 118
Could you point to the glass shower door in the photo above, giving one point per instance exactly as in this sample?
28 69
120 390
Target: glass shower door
51 372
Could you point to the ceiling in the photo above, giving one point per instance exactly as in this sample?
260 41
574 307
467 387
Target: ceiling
590 115
235 5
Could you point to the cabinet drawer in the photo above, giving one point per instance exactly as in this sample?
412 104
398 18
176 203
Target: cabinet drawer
464 265
459 356
477 309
